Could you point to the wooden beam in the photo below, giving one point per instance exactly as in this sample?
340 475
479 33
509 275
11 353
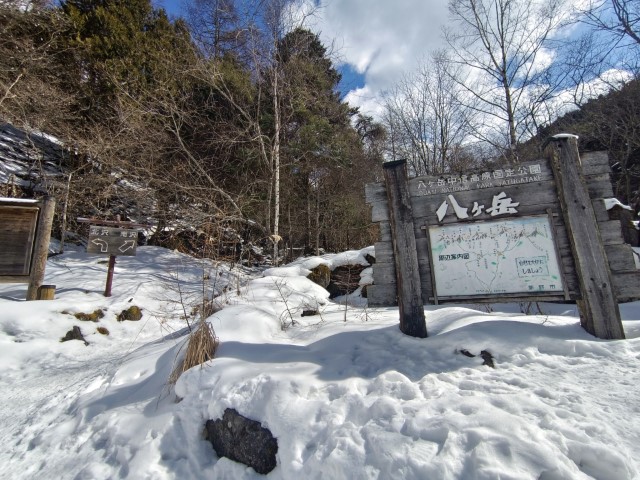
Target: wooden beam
412 320
41 247
599 312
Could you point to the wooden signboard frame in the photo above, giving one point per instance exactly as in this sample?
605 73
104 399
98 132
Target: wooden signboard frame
567 188
25 233
112 238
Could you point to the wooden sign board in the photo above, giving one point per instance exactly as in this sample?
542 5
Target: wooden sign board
467 199
112 241
527 232
17 233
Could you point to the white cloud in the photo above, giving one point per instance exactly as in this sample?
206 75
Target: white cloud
379 39
383 39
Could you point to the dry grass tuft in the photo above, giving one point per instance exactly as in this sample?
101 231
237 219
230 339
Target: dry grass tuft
201 347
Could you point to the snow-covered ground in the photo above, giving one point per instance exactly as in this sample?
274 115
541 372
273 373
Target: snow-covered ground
346 394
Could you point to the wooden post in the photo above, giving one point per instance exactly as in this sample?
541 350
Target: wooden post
112 264
412 320
41 247
599 312
46 292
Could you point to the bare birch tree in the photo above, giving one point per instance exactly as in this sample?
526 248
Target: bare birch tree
427 119
504 44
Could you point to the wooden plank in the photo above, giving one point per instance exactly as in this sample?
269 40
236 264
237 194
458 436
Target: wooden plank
609 233
599 187
595 163
627 286
381 295
523 211
17 233
505 298
621 259
384 252
385 231
599 312
14 279
384 273
379 212
600 210
375 192
536 197
412 320
538 170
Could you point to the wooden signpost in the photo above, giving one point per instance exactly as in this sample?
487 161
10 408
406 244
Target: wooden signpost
412 321
112 238
599 312
25 231
535 231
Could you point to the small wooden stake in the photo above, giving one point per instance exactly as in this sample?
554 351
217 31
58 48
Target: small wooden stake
412 321
46 292
599 312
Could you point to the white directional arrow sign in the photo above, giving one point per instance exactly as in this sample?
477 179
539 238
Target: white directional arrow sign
112 241
127 245
103 244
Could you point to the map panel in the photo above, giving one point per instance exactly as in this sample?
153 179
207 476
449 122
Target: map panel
498 257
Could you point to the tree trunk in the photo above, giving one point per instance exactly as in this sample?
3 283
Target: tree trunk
276 166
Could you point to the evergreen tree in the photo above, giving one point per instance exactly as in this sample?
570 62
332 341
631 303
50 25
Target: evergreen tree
320 147
128 45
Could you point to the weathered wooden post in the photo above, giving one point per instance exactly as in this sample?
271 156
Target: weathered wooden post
46 292
110 270
41 247
412 320
599 312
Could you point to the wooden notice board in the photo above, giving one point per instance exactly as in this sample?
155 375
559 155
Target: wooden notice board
17 232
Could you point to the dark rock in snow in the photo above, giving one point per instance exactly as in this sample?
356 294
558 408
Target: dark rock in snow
243 440
89 317
132 313
74 334
320 275
488 358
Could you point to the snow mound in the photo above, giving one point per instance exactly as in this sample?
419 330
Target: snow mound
347 395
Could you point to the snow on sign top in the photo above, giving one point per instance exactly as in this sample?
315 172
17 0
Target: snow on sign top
29 201
560 136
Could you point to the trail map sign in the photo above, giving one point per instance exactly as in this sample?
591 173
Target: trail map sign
112 241
498 257
526 232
